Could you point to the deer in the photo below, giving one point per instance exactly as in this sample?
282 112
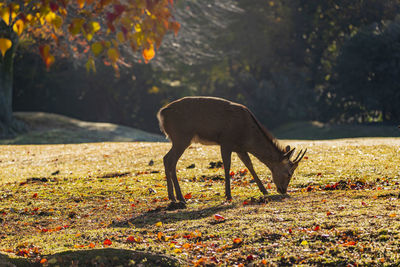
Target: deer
232 126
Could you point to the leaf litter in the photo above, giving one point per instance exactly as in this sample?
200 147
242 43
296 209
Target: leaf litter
342 209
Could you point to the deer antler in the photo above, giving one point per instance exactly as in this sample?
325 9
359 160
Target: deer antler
298 158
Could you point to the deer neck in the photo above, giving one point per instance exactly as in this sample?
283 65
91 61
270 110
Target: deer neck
269 153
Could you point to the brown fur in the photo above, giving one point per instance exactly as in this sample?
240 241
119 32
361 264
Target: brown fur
211 120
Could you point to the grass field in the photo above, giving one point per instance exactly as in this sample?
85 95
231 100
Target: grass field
104 203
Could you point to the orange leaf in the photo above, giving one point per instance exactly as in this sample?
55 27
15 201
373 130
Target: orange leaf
5 44
46 56
186 245
160 236
81 3
175 26
237 240
91 245
148 53
188 196
42 261
19 27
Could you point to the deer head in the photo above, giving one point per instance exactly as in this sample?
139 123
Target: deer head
282 172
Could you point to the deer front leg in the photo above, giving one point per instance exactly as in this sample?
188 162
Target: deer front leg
244 157
176 152
226 159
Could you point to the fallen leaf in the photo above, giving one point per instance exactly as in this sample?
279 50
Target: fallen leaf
160 236
250 258
237 240
186 245
219 217
107 242
159 224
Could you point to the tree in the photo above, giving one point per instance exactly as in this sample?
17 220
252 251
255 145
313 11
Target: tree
81 29
367 82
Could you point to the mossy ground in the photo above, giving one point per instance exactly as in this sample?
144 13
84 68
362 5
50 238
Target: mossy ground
56 200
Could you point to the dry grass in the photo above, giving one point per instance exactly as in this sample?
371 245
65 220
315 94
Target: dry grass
57 199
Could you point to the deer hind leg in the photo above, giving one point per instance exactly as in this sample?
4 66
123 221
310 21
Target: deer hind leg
226 159
170 161
167 164
244 157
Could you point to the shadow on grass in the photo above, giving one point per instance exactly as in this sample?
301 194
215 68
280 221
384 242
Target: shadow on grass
96 257
162 214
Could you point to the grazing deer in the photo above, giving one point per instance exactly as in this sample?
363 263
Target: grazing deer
211 120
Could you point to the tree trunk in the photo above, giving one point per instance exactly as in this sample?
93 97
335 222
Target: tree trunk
9 126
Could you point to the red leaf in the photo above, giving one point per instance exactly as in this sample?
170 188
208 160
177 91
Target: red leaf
250 257
219 217
130 239
290 231
316 228
107 242
35 195
188 196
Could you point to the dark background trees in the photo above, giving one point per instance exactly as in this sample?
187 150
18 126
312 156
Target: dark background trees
331 61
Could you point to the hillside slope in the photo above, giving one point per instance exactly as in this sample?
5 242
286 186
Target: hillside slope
48 128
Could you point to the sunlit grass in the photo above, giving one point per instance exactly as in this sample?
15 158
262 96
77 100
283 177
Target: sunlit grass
59 198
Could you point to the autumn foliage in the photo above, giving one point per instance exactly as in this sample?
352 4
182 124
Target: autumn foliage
87 28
